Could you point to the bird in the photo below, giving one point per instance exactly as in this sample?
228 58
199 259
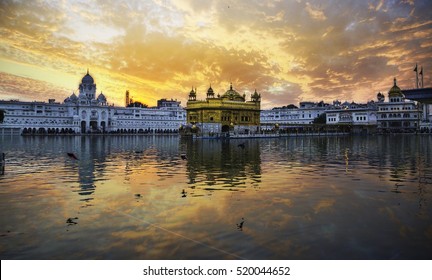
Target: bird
72 155
240 225
137 195
241 145
183 157
184 193
71 221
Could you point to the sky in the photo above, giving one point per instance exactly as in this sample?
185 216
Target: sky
289 51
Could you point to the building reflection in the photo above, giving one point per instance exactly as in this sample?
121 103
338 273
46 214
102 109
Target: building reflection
100 157
223 164
234 164
408 159
298 196
127 154
396 161
91 152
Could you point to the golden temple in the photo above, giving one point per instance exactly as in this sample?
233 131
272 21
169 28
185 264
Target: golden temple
229 113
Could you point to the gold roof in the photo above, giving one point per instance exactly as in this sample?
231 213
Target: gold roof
231 94
395 91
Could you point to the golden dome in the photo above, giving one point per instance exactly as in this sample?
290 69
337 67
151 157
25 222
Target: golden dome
395 91
231 94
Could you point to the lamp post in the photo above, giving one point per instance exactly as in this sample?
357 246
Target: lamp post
232 127
276 128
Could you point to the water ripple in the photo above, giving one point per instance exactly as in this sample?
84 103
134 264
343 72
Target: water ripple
301 198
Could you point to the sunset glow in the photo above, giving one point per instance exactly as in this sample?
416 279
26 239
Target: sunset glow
289 51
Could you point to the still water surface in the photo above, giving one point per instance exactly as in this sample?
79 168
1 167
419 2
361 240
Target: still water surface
134 197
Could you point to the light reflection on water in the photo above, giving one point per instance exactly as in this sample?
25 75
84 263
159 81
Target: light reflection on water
134 197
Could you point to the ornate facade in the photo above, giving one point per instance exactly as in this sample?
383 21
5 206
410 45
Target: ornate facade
397 115
285 117
87 113
229 113
360 118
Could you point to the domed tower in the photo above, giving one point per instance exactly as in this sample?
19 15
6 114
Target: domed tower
192 95
395 94
210 92
380 97
102 99
87 88
256 97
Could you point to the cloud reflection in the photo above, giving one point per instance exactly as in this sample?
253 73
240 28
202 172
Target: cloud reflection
296 199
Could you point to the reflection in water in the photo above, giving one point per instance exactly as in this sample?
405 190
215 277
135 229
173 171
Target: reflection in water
155 197
222 165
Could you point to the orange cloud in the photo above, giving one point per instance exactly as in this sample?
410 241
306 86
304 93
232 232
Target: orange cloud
289 50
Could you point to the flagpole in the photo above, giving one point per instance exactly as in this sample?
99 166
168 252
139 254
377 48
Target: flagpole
421 73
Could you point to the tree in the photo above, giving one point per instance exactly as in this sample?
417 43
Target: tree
321 119
137 104
2 114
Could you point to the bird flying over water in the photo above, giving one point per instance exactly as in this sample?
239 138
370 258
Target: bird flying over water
71 221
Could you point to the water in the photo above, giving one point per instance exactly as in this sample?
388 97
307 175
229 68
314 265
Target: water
134 197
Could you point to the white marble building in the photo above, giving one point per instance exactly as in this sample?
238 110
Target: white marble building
352 114
286 116
87 113
397 114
